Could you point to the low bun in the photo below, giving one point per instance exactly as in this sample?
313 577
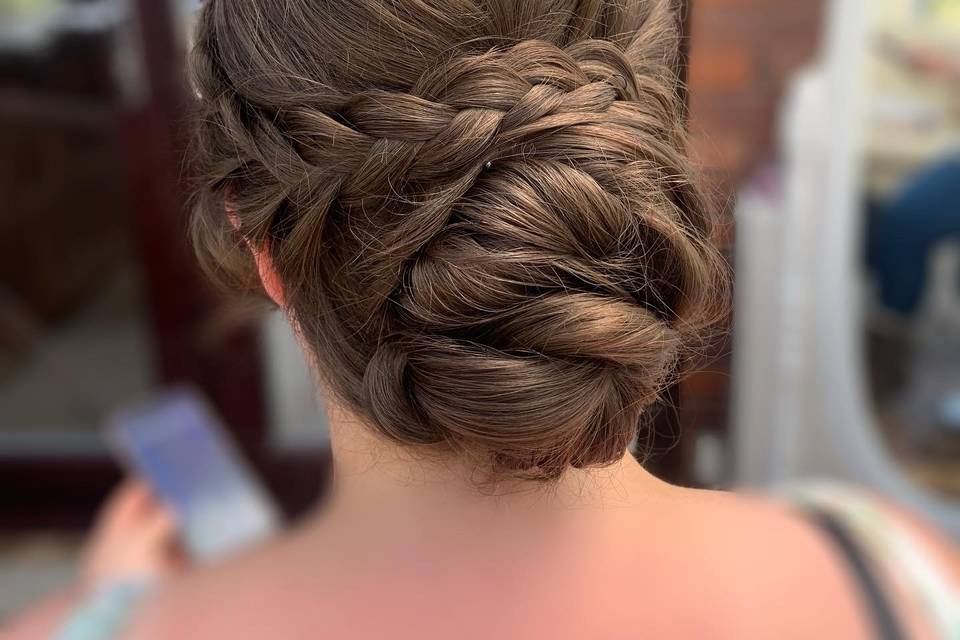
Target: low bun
492 242
527 413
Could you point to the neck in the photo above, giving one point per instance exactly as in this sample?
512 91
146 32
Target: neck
376 479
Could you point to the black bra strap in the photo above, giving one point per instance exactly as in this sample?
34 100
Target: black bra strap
882 613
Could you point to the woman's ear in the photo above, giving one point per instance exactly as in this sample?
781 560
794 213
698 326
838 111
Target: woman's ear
261 256
268 274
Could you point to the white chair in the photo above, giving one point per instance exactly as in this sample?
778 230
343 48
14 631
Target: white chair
801 405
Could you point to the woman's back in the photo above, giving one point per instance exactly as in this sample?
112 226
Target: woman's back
666 562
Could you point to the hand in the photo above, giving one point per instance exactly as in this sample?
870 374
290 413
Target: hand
135 538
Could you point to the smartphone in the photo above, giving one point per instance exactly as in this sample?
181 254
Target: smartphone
175 442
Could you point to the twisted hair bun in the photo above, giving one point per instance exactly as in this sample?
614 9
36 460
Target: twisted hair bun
481 210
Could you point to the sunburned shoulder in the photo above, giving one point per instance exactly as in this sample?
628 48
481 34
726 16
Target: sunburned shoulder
783 517
775 534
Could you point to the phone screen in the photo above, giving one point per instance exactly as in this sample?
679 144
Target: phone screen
175 442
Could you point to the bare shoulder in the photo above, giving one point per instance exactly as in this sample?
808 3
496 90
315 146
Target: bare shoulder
784 551
768 524
779 573
757 530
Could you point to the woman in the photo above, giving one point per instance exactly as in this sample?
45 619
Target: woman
481 220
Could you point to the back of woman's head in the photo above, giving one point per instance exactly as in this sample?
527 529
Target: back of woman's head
481 211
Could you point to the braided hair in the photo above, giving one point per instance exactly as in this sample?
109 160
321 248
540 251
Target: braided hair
481 211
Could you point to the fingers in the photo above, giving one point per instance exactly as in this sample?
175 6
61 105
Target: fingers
159 531
131 505
159 525
125 503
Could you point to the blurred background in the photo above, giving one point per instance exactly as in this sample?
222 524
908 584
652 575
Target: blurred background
829 136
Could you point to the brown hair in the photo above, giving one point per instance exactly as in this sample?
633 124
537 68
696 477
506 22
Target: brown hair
481 211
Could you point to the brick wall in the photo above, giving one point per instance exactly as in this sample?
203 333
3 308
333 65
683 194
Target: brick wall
741 54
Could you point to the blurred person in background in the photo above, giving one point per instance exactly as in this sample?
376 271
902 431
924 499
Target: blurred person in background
913 239
924 213
482 222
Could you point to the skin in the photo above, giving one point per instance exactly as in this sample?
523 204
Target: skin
408 547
